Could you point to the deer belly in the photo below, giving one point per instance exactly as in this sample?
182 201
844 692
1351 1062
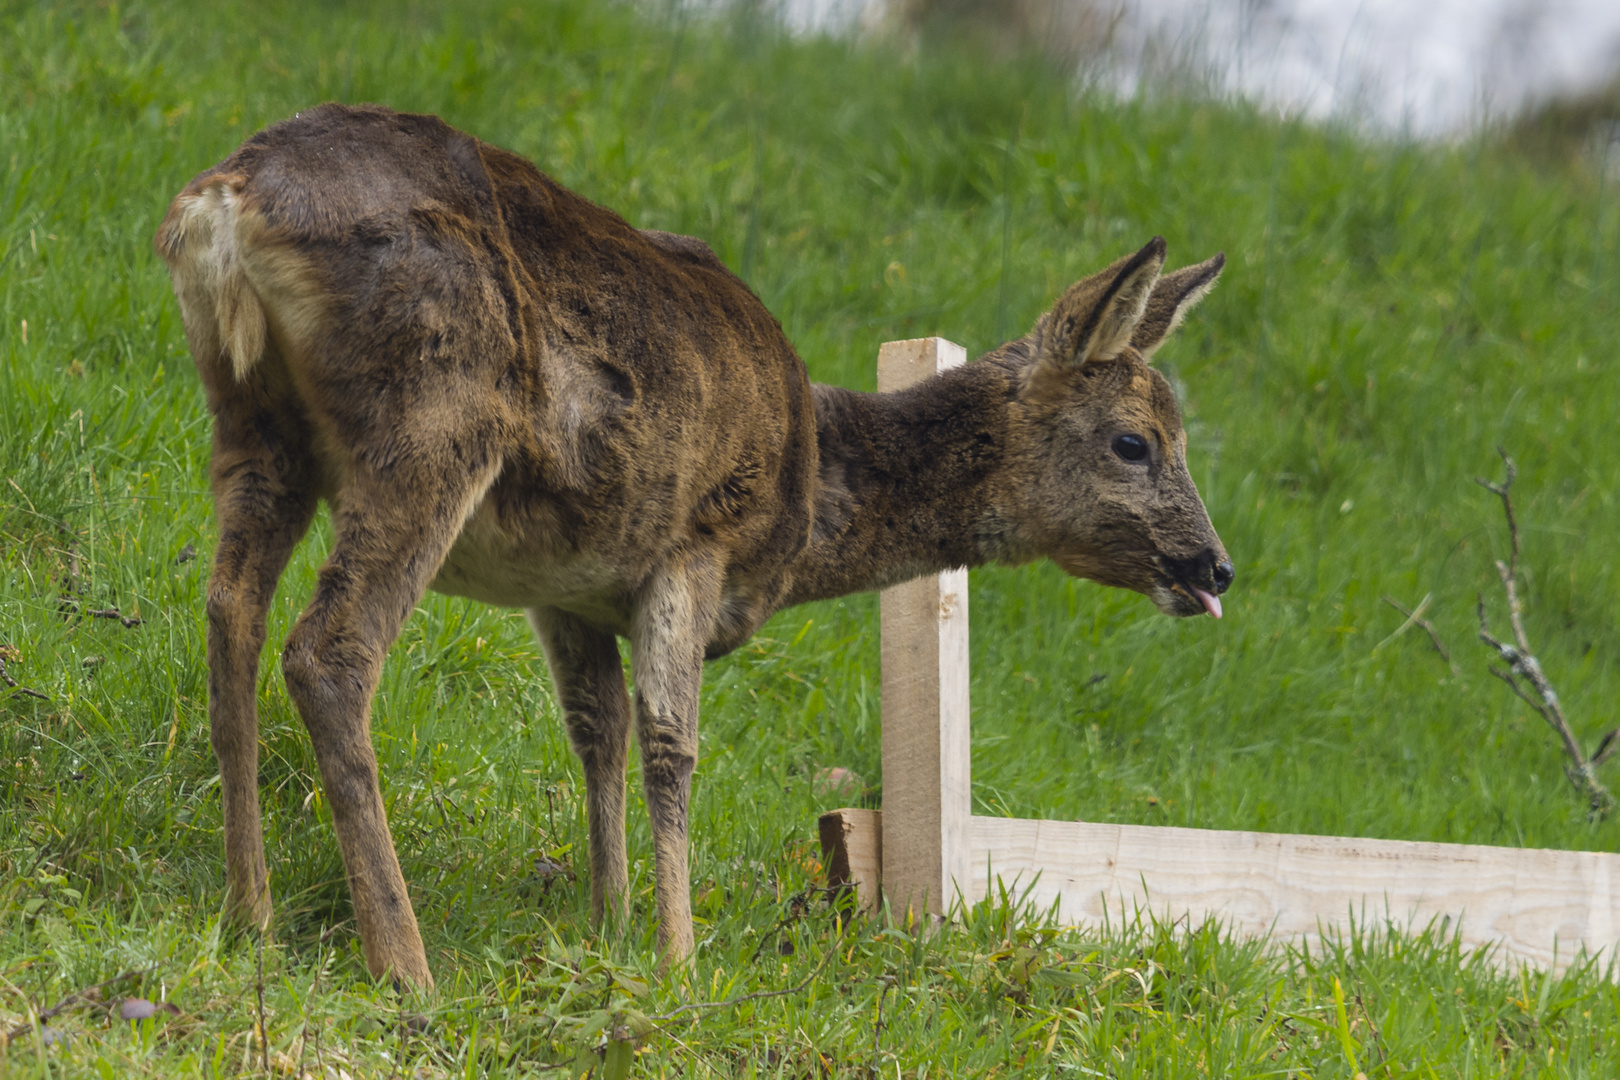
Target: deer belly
488 565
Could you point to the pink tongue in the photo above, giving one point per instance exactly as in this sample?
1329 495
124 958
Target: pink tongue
1212 603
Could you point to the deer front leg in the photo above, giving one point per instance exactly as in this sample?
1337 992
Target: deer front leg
394 526
263 500
589 681
669 629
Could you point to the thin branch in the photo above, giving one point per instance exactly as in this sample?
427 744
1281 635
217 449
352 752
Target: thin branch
758 995
1501 492
798 907
89 995
1523 665
1606 746
1513 684
659 1022
6 678
258 985
74 588
303 1034
1414 617
129 621
877 1027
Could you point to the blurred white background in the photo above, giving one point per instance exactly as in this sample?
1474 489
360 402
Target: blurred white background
1422 67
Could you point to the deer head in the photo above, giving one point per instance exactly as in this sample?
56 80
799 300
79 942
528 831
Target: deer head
1097 438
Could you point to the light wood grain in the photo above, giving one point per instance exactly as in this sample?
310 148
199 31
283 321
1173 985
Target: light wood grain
1534 905
852 852
927 780
1529 905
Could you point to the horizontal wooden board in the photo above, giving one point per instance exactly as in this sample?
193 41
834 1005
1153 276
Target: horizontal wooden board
1535 905
1532 905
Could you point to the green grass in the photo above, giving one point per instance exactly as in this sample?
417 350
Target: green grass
1390 314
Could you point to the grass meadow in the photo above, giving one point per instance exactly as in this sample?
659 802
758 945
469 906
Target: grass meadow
1391 313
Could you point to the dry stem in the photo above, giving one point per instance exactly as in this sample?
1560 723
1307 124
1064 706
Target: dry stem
258 988
6 678
129 621
1414 617
1523 665
758 995
88 996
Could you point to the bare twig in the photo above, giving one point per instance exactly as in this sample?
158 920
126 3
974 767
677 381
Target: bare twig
1606 746
404 1039
89 995
659 1022
129 621
798 907
258 988
319 1064
1414 617
74 588
303 1036
877 1026
1523 665
67 604
6 678
758 995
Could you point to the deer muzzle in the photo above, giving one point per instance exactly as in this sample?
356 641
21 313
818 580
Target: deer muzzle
1194 585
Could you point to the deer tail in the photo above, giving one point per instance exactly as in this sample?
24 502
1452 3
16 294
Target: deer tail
200 241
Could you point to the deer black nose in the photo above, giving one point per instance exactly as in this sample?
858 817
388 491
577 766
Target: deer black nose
1223 576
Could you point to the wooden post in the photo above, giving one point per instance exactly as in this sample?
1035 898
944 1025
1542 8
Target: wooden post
927 780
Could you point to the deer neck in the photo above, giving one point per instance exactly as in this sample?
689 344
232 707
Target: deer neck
908 482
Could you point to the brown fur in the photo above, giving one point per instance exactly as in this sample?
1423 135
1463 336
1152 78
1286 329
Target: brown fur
506 392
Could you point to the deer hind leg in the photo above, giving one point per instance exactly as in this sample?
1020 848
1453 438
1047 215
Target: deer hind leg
395 522
264 498
589 680
669 630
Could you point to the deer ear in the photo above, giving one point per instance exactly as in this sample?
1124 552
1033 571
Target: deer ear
1173 296
1094 318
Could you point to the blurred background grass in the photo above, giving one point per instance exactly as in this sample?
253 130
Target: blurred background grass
1392 311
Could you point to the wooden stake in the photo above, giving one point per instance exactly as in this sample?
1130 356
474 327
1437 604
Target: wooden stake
927 775
852 850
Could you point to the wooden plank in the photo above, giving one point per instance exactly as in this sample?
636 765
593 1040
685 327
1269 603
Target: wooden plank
926 749
1535 905
852 851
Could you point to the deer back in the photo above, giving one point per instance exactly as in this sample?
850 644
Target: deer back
379 271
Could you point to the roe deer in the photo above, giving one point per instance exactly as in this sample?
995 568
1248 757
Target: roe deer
506 392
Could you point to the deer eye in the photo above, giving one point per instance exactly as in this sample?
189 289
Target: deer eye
1131 447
